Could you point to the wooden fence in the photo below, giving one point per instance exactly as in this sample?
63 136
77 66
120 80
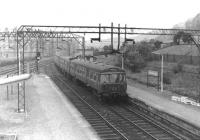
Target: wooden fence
191 60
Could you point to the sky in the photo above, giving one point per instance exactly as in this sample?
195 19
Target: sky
134 13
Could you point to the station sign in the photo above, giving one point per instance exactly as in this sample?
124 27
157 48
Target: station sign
153 73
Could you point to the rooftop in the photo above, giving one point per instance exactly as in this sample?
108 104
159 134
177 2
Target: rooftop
190 50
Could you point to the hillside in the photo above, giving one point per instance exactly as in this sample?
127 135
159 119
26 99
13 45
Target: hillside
193 23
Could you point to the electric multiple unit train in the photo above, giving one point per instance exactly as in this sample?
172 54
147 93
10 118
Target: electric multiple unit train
105 81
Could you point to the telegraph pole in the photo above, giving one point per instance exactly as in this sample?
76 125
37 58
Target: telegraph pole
83 45
125 34
52 47
23 56
37 55
112 35
56 46
162 59
118 36
122 60
124 46
18 65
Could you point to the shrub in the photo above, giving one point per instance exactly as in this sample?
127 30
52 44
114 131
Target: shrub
118 64
135 63
178 68
166 79
11 62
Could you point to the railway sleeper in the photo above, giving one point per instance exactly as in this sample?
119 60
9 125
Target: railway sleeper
170 121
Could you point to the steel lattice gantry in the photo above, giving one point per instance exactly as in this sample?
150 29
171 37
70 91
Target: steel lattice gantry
26 32
7 34
22 39
54 30
34 31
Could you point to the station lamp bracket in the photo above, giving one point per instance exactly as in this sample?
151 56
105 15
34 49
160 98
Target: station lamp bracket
99 38
94 39
130 40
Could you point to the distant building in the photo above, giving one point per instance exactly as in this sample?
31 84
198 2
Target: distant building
187 54
88 52
6 52
190 50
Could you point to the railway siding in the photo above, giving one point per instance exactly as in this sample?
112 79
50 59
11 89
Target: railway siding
160 115
125 127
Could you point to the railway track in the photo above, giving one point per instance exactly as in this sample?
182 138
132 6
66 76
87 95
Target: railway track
114 121
167 124
12 69
104 129
144 127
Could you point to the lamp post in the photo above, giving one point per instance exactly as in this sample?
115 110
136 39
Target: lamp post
122 60
83 47
161 84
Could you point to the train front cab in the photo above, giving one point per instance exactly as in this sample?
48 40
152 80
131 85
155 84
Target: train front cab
113 85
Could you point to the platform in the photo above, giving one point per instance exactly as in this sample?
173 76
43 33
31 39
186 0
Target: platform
49 115
162 101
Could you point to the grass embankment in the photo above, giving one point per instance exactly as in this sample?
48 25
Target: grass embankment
184 82
11 61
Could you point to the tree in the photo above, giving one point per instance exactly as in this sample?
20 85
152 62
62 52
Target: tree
185 37
177 37
107 47
157 44
134 61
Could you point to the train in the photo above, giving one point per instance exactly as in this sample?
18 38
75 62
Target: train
107 82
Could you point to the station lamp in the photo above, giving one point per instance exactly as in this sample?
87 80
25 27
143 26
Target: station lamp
129 40
94 39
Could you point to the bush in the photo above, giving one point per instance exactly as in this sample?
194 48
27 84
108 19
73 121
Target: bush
11 62
178 68
166 79
118 65
135 63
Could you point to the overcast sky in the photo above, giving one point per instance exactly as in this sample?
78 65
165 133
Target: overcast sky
135 13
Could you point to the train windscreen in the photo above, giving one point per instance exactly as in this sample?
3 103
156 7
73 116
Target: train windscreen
112 78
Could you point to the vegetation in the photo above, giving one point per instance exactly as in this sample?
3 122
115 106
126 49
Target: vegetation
14 61
185 37
178 78
107 48
137 55
178 68
193 23
166 79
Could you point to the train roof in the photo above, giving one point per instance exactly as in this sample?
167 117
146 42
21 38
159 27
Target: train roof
64 57
98 66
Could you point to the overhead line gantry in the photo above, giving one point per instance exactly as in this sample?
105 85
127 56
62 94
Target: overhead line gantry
26 32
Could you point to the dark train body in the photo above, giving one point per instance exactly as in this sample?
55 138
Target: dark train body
106 81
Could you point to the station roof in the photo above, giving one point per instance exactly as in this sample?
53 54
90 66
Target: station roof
189 50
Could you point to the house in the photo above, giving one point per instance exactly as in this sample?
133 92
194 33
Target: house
187 54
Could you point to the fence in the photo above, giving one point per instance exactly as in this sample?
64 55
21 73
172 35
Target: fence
185 59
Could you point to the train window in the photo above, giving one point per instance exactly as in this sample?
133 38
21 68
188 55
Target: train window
95 77
105 78
84 71
112 78
91 75
120 78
